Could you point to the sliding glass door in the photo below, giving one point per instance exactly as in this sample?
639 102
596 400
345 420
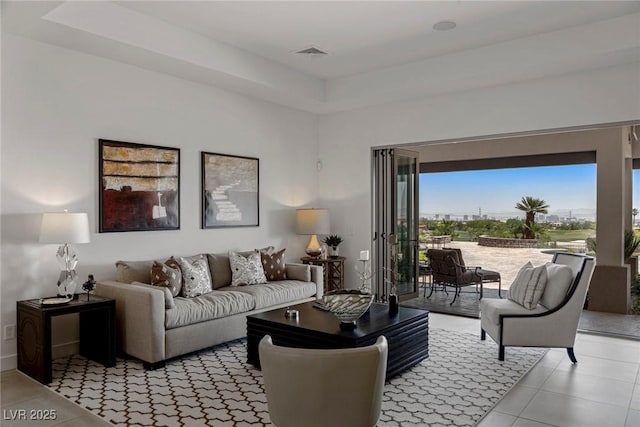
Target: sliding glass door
395 223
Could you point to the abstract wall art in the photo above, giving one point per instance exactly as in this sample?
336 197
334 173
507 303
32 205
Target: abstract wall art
139 187
230 191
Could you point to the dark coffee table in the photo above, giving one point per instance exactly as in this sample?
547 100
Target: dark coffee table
407 332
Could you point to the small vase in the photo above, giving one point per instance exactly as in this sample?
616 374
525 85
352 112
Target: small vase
333 251
393 304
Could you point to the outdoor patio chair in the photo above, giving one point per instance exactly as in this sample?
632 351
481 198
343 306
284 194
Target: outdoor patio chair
448 269
553 322
309 387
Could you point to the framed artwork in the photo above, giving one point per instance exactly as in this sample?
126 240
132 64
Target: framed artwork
230 191
139 187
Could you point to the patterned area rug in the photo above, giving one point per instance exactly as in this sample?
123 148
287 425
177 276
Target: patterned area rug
459 382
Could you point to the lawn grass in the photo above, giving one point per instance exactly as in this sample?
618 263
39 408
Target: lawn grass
569 235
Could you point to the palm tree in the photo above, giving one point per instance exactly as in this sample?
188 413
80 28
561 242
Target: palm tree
531 206
634 212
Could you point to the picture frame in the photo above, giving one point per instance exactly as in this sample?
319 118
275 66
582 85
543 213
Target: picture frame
230 190
139 187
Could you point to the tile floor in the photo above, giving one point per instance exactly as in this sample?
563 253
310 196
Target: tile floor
603 389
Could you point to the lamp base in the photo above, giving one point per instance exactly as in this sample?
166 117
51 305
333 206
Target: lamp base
314 249
313 253
67 283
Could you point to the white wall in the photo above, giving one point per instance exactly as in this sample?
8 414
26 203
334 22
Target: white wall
345 139
56 103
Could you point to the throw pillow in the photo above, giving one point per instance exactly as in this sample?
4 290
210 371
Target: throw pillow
246 270
273 265
300 272
528 286
559 279
133 271
196 279
167 275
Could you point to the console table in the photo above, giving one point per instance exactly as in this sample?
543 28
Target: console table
97 333
333 268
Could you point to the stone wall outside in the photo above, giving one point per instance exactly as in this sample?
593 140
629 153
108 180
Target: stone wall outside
501 242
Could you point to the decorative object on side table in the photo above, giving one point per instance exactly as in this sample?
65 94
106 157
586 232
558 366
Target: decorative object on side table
333 241
312 222
347 305
364 274
89 285
65 228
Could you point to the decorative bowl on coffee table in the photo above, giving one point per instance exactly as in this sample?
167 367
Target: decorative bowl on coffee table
347 305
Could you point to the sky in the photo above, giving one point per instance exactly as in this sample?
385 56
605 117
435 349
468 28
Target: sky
497 191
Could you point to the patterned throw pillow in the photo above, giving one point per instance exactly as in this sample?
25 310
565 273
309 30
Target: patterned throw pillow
246 270
273 265
167 275
528 286
196 279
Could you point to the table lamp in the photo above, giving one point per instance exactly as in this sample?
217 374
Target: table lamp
65 228
312 222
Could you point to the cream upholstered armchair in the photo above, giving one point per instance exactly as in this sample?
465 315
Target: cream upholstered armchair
313 388
551 323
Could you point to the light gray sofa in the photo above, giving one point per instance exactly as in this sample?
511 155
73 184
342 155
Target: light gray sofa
154 326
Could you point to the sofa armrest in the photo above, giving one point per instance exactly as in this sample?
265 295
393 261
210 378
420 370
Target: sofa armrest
140 313
317 276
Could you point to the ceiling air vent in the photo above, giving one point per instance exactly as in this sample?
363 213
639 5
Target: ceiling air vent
312 51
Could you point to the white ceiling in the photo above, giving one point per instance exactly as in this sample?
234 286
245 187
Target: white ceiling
379 51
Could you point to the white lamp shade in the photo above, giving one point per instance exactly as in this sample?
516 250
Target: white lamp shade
312 221
64 227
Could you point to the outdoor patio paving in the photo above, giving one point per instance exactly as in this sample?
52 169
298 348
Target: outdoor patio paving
506 261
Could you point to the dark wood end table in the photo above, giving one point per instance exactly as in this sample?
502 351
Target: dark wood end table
333 269
407 332
97 333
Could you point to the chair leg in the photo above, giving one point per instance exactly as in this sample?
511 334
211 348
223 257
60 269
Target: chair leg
500 288
456 295
483 334
572 355
501 353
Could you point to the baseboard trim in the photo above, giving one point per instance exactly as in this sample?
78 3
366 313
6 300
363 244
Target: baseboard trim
65 349
10 361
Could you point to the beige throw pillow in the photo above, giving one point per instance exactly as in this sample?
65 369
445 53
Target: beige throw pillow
300 272
196 279
246 270
559 279
528 286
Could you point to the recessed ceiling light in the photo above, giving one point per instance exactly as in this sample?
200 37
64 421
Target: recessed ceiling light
444 25
312 51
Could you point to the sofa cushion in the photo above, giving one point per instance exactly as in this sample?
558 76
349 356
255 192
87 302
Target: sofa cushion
167 275
273 265
274 293
246 270
528 286
196 279
212 305
559 278
134 271
300 272
492 308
